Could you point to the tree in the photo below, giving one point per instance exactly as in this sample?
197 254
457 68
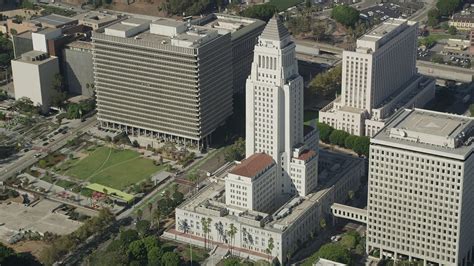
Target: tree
139 214
452 30
270 248
433 17
346 15
437 59
178 197
327 83
156 217
60 95
206 229
170 259
232 261
236 151
319 29
263 12
25 106
137 251
143 227
231 233
447 7
350 142
322 223
334 252
362 146
338 137
154 256
128 236
324 131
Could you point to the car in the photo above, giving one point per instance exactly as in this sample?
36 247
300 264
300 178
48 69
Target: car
37 155
64 132
46 143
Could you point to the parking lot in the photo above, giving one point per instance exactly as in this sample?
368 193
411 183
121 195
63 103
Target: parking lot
385 11
461 58
40 218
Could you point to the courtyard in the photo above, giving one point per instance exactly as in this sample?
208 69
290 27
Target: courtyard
116 168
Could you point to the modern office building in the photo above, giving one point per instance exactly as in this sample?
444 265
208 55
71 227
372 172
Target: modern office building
33 77
379 78
271 195
421 188
244 33
162 80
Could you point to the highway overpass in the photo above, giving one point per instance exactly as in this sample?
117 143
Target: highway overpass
426 68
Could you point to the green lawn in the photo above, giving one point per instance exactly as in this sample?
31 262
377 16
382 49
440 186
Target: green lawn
282 5
114 168
65 184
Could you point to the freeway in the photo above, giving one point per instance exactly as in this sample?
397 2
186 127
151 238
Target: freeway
29 158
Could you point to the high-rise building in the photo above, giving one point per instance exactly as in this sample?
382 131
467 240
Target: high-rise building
378 78
274 115
162 79
270 196
421 188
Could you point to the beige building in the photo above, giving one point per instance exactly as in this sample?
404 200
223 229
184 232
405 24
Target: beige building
377 79
162 80
251 184
283 189
421 188
33 76
463 20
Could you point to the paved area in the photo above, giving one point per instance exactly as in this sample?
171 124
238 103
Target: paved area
38 218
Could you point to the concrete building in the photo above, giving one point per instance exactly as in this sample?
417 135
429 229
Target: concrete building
421 189
274 110
244 33
55 21
162 80
251 184
77 62
41 37
33 76
371 90
271 195
288 224
22 43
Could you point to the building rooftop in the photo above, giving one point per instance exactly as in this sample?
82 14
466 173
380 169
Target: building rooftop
161 31
381 34
429 132
97 17
275 30
253 165
35 57
306 155
466 15
225 23
54 20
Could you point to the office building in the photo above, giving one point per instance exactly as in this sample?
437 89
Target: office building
379 78
244 33
162 80
98 19
421 188
33 77
78 73
271 195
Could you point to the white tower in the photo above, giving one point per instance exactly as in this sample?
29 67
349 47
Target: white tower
274 102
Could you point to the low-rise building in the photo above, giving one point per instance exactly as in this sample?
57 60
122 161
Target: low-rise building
33 77
98 19
251 184
463 20
291 222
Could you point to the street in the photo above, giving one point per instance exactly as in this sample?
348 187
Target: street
28 159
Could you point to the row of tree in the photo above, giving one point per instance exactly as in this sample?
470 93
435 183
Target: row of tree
327 83
263 12
136 247
236 151
328 134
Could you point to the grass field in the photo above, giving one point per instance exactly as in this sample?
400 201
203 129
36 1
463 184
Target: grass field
114 168
282 5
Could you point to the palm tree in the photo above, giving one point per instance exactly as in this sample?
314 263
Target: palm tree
156 217
219 229
150 208
232 231
183 226
270 249
206 229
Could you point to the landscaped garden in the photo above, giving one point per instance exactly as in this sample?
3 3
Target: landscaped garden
112 167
